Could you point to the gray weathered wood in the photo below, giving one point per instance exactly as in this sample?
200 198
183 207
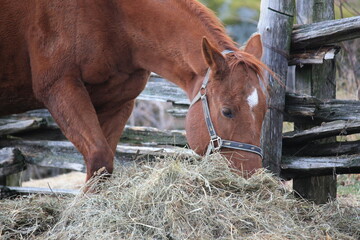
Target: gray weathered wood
322 33
63 154
314 56
300 167
178 111
330 129
301 108
159 89
153 136
9 126
34 190
131 134
318 81
275 26
11 161
322 149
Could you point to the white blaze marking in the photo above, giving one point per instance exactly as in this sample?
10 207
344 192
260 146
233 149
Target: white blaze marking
253 99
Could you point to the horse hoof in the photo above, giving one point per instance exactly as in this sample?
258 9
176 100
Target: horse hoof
93 184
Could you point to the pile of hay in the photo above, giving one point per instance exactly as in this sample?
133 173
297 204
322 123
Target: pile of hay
182 199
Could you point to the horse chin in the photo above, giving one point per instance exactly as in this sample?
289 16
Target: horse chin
244 163
198 149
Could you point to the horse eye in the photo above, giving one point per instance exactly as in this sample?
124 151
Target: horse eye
227 112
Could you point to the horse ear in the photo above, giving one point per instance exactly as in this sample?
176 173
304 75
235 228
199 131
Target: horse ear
212 56
254 46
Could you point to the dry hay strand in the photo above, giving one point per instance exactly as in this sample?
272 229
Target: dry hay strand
29 216
180 199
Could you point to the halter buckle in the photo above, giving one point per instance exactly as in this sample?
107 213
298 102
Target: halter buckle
216 143
202 91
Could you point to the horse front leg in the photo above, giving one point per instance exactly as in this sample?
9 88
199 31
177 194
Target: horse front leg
113 122
114 114
70 105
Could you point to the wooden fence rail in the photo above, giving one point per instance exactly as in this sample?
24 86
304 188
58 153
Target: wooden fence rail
316 35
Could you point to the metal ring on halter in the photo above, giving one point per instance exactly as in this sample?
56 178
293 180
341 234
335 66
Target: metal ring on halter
202 91
216 143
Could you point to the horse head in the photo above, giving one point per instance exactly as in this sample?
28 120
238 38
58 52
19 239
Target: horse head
235 94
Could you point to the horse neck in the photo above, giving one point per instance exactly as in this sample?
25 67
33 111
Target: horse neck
168 39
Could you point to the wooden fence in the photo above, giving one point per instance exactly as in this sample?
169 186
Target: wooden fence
33 137
310 45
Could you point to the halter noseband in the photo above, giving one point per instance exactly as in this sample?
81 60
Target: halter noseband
217 142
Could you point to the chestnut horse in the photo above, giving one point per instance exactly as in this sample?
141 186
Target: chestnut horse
87 60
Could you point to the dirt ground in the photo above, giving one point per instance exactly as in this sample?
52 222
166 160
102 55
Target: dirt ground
73 180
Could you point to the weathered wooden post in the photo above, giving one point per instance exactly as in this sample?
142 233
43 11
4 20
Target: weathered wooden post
12 162
275 26
318 81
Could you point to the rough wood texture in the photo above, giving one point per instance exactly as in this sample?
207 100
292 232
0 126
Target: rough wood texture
159 89
131 134
6 191
300 108
275 26
178 111
300 167
9 126
318 189
318 81
153 136
11 161
322 33
63 154
314 56
325 130
322 149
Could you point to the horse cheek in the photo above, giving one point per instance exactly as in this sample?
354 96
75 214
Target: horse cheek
195 129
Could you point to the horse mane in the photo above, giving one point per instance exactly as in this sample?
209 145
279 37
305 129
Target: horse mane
214 25
250 62
208 18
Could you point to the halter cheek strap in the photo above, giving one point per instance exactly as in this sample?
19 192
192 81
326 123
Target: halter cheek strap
217 142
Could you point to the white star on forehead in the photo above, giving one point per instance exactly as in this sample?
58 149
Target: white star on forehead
253 99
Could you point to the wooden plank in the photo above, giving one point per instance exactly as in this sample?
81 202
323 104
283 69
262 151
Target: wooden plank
178 111
9 126
131 134
301 108
300 167
326 32
58 154
322 149
6 191
318 81
33 114
325 130
314 56
63 154
159 89
153 136
11 161
275 26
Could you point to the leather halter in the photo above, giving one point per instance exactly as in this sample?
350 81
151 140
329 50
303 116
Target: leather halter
217 142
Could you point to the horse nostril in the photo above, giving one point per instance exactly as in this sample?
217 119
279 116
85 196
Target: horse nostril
226 112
